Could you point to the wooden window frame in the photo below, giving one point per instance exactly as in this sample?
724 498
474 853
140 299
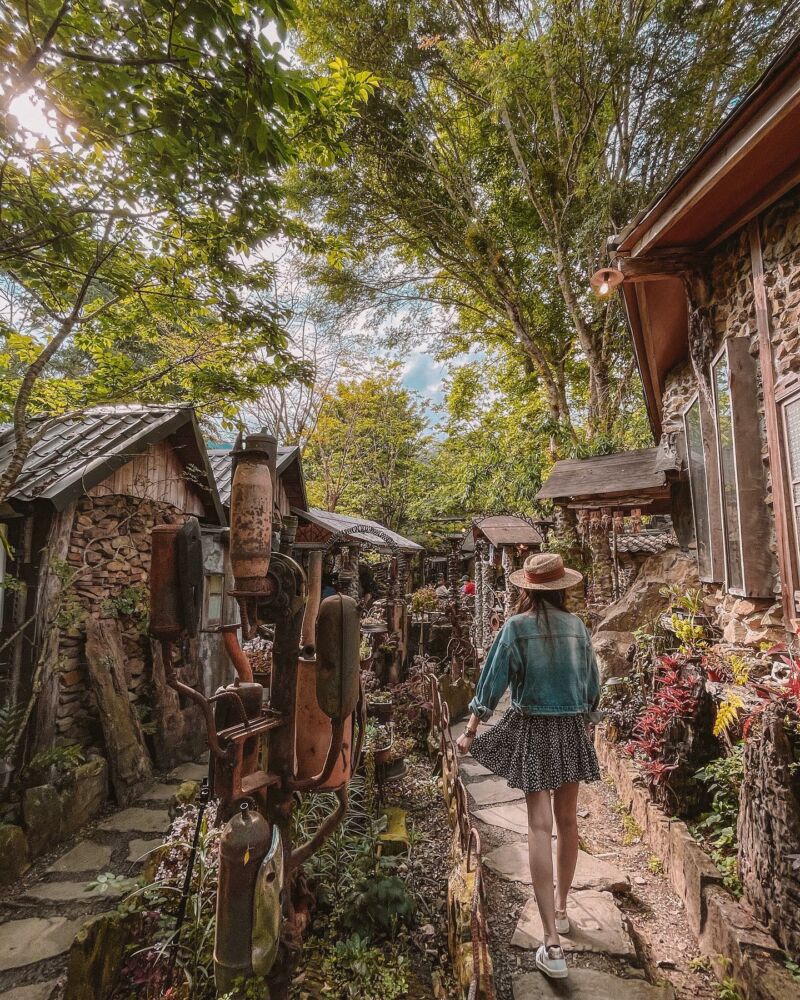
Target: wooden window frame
757 568
708 435
788 392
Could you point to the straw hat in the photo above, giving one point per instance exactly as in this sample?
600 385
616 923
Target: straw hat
545 571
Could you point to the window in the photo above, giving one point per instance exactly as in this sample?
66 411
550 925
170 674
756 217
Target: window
734 572
791 440
3 543
214 599
746 531
701 454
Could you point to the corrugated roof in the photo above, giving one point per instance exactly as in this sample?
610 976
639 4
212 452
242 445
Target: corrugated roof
508 529
74 452
342 522
220 459
628 472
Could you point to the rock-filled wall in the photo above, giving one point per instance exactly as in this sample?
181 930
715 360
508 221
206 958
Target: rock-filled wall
107 578
769 830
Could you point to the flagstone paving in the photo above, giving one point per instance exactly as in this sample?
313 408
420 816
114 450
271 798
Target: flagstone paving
599 930
43 912
587 984
596 924
511 861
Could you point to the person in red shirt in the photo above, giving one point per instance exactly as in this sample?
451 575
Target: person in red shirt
468 588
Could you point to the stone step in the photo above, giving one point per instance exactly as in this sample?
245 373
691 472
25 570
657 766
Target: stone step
139 848
34 991
492 790
73 892
596 925
189 772
34 939
509 816
87 856
511 862
469 768
136 820
587 984
160 792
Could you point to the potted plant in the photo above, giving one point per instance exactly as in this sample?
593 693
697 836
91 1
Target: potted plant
380 706
383 744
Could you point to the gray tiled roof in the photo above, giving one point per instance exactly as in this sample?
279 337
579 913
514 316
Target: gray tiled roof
336 523
220 459
75 452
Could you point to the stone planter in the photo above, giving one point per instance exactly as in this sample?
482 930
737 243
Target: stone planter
726 931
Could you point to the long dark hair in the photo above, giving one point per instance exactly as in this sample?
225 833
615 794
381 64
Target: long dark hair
539 601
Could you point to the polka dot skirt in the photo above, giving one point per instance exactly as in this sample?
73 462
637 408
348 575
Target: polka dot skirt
535 752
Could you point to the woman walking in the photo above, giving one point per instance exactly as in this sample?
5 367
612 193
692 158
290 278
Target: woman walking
542 745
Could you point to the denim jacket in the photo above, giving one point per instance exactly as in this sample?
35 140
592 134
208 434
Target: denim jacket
548 661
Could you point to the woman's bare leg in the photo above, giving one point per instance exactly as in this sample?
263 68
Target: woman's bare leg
565 807
540 848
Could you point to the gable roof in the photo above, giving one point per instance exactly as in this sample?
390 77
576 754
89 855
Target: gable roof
335 523
751 161
507 529
289 467
629 478
77 451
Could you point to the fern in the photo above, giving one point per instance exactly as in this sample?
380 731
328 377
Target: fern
728 714
11 718
740 669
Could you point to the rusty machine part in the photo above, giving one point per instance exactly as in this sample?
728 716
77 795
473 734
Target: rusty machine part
308 631
327 696
251 524
267 907
244 844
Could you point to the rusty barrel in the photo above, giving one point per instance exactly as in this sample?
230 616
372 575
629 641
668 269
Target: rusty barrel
243 846
251 513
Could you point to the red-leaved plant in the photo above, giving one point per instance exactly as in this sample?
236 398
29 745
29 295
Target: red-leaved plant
675 698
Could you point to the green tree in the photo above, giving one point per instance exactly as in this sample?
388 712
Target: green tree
366 453
141 147
505 144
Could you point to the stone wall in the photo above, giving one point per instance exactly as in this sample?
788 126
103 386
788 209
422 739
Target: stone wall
769 831
109 563
730 287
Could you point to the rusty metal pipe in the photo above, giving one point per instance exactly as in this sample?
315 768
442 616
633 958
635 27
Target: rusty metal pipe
301 854
308 631
196 697
238 657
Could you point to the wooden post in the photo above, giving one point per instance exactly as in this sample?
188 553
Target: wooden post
780 502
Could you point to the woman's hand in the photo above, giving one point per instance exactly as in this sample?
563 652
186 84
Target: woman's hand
464 742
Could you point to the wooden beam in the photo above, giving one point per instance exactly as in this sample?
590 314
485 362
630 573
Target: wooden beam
784 528
656 266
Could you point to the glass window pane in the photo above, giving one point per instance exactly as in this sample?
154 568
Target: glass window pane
214 594
791 419
699 488
730 500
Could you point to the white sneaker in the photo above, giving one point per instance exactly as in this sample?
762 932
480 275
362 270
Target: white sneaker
551 962
562 922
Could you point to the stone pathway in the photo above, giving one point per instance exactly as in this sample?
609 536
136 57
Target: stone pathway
600 939
42 912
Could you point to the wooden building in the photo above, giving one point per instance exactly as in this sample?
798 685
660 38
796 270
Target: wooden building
711 284
74 603
605 497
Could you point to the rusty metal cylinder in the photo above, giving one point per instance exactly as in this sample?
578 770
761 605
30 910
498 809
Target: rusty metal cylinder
309 629
314 733
338 662
243 846
251 514
166 617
